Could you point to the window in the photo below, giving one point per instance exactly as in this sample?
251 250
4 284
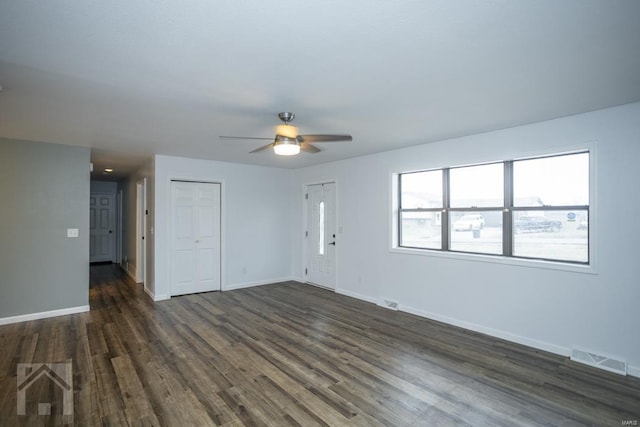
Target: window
534 208
421 210
551 208
321 229
475 211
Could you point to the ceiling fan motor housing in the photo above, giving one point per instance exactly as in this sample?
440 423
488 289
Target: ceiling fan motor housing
286 117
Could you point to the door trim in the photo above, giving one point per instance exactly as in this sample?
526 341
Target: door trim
119 195
223 205
305 226
141 232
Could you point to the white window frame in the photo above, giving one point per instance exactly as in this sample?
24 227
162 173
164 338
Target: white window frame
591 268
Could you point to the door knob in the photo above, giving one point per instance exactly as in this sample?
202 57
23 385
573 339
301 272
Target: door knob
333 243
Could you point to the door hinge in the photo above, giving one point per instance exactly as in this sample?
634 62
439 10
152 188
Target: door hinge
306 234
306 196
306 271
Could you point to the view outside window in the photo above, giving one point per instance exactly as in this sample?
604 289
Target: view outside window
545 207
477 231
420 219
561 235
552 181
422 190
477 186
471 188
559 188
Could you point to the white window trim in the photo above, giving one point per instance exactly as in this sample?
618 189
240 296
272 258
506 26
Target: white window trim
591 268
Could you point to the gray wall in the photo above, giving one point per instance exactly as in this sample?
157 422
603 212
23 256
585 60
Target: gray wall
104 187
44 189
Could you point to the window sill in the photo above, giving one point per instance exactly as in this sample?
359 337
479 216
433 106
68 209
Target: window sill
497 259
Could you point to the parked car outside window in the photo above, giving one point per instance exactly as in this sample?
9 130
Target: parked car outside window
469 222
535 224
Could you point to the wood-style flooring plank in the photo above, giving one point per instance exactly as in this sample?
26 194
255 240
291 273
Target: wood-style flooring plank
293 355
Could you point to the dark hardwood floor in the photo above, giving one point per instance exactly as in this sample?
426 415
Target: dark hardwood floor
291 354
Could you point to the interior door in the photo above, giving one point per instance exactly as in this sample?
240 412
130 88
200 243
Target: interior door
141 226
321 234
195 225
101 227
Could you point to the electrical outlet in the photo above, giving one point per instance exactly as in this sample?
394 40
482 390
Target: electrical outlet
72 232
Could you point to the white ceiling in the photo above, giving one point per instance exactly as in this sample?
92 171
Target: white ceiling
133 78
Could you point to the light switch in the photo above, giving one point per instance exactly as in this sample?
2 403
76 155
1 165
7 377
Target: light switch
72 232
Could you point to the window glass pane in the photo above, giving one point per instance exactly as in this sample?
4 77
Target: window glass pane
421 190
321 229
421 230
477 186
479 232
556 235
552 181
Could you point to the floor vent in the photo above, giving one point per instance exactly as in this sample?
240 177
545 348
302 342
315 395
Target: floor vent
599 361
390 304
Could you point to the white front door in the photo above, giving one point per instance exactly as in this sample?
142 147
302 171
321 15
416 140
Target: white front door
101 227
321 234
195 246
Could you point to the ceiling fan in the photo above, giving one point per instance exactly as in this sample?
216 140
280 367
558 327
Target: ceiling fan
287 142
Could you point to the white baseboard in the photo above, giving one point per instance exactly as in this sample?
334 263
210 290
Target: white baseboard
43 314
131 275
633 371
315 285
540 345
357 296
258 283
146 290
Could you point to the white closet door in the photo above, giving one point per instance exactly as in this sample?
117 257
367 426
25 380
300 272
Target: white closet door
195 248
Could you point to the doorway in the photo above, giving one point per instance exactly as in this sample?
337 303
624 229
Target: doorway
195 237
320 234
101 227
141 226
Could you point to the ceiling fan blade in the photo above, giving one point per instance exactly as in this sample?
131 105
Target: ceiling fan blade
264 147
306 147
244 137
324 138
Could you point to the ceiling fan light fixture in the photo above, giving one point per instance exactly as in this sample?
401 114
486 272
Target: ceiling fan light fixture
285 146
287 130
